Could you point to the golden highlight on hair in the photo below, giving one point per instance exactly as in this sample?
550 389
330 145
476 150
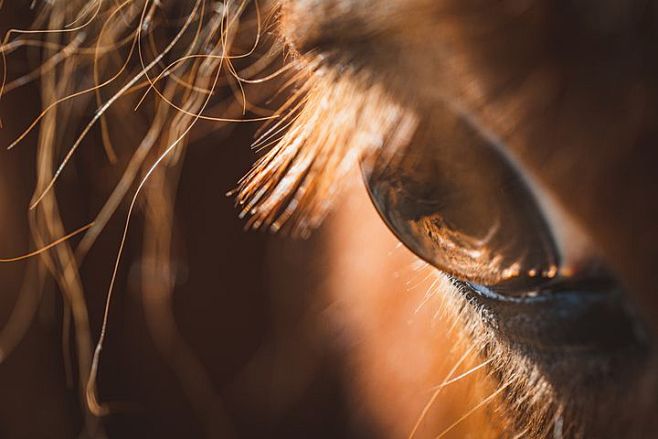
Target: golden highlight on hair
335 119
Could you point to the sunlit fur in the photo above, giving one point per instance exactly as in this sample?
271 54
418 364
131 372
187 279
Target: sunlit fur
333 118
531 405
569 89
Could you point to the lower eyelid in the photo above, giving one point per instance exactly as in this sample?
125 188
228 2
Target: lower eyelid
586 317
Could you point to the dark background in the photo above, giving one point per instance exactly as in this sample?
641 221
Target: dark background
246 303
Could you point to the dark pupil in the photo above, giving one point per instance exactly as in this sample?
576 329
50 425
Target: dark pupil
453 199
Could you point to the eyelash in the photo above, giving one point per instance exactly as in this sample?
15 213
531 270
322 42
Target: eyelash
336 119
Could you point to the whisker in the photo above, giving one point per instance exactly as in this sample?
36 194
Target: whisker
481 404
437 392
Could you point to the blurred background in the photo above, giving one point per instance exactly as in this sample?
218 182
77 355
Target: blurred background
244 304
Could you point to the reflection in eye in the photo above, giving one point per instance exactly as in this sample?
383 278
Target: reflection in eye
458 203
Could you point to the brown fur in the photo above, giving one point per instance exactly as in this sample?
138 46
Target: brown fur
567 87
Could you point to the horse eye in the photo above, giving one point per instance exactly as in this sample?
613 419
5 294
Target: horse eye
459 204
